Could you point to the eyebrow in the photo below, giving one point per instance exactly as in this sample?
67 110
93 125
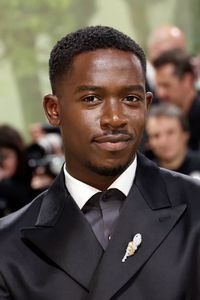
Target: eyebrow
87 88
135 88
129 88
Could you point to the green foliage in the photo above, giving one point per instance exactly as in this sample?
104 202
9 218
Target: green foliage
185 14
21 24
188 20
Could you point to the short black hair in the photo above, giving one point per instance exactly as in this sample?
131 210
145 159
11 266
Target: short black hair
89 39
178 58
169 110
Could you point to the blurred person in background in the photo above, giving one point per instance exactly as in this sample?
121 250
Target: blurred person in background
161 39
165 38
168 134
45 155
15 176
196 64
36 132
175 84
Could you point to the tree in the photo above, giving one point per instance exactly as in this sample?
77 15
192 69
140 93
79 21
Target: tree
188 20
139 14
21 23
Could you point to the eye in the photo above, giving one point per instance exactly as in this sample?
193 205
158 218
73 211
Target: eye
91 99
131 98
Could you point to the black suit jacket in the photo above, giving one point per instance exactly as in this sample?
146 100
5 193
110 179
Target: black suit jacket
48 250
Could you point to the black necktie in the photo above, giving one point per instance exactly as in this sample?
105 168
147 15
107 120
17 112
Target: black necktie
102 211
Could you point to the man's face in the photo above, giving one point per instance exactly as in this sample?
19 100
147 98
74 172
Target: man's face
169 87
100 106
166 137
8 163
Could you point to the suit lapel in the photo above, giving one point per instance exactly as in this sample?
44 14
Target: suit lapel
147 211
63 235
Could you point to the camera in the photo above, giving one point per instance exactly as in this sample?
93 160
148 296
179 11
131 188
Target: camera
46 155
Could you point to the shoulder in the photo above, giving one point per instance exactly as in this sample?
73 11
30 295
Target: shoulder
181 188
173 177
158 181
28 215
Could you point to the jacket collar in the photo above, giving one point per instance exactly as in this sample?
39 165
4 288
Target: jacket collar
61 232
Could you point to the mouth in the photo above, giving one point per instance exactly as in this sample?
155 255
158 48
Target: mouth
116 142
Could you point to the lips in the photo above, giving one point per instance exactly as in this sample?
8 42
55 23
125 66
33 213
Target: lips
116 142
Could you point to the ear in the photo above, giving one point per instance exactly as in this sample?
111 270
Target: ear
149 97
52 109
188 80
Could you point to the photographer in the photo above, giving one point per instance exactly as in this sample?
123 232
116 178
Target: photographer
15 176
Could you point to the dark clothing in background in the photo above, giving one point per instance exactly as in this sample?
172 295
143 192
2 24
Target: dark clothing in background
13 195
15 192
191 164
194 124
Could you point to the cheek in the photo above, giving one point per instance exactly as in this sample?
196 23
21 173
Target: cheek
137 120
76 130
175 89
76 116
155 145
89 120
11 165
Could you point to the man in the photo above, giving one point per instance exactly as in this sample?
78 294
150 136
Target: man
63 246
168 134
175 83
164 38
15 175
161 39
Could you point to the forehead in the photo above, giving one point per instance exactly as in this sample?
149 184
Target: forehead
166 69
105 61
6 151
161 123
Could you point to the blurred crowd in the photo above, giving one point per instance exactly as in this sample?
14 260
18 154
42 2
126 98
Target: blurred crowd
171 137
27 170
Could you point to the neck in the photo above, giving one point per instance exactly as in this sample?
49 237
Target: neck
188 100
101 182
98 181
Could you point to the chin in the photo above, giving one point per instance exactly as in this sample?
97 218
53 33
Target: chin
108 170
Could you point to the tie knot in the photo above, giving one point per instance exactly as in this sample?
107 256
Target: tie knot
105 196
92 203
112 194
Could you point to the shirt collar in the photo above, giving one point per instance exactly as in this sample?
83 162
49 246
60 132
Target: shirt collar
81 191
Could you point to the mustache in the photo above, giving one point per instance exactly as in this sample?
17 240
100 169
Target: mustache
116 132
113 135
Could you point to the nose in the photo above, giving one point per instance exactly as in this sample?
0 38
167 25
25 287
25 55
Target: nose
162 140
112 116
